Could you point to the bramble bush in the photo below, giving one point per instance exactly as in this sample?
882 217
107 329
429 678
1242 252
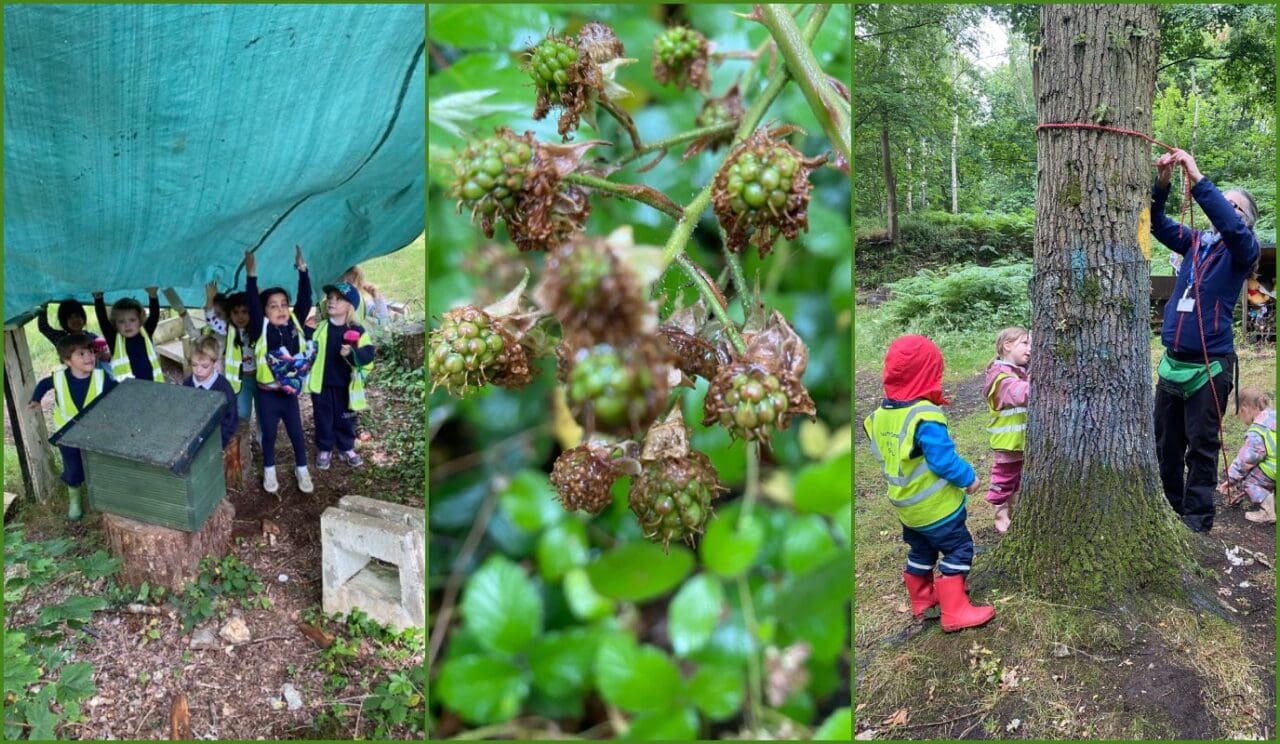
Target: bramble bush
634 399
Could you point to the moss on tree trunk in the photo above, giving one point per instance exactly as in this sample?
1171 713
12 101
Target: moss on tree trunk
1092 525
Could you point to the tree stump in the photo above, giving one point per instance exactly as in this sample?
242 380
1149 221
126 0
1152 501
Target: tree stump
162 556
414 337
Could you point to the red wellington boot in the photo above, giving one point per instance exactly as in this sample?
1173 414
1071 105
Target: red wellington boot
922 594
957 612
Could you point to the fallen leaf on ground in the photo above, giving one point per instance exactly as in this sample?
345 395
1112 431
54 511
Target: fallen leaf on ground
899 718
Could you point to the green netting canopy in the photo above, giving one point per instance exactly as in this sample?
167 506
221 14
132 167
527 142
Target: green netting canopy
154 144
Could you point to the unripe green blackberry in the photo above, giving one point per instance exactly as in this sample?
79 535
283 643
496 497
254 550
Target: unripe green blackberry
549 65
750 404
614 390
490 172
594 294
583 476
672 497
680 56
761 192
470 348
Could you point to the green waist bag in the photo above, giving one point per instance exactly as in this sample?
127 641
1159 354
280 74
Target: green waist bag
1185 378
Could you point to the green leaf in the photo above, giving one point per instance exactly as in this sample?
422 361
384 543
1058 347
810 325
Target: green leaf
76 682
482 689
501 26
43 721
19 671
799 707
694 613
561 662
98 565
75 611
635 572
728 550
680 724
825 487
635 678
584 601
531 501
821 588
717 690
837 727
457 111
843 520
502 606
807 543
825 630
561 548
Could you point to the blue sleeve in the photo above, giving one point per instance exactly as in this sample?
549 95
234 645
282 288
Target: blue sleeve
1167 230
42 322
1237 237
153 315
941 456
43 388
254 303
104 321
302 303
364 354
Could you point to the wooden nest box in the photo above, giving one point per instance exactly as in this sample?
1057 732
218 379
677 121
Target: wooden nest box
152 453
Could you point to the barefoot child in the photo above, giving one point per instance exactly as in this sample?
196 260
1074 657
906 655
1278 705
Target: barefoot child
1006 389
344 355
282 358
128 333
74 386
927 480
1253 472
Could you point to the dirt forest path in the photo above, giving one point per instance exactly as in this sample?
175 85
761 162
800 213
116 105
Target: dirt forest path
1153 682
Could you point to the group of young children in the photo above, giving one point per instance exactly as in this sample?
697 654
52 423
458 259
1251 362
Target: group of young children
928 481
255 351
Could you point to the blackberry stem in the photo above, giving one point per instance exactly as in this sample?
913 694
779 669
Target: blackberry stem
710 294
668 142
627 191
827 105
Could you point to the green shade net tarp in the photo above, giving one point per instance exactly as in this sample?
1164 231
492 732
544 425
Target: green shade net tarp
153 144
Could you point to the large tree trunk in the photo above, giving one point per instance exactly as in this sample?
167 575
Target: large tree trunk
162 556
890 185
911 180
1093 524
924 175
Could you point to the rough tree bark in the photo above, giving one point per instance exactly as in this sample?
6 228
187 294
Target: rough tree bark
1093 525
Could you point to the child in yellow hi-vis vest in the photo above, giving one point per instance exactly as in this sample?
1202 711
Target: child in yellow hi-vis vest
927 480
344 356
1006 391
74 386
128 332
1253 472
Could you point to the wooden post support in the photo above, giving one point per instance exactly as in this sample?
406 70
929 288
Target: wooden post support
30 434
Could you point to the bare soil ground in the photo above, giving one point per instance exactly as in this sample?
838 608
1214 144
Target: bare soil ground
232 692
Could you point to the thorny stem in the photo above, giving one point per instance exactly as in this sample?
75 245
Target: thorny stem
712 297
675 139
754 683
752 490
827 105
627 191
739 278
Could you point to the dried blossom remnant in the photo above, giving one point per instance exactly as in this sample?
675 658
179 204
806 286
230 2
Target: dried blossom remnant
573 74
472 348
726 109
680 56
694 356
761 192
672 497
595 295
761 391
583 477
616 390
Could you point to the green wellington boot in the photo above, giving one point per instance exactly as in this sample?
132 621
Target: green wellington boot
73 506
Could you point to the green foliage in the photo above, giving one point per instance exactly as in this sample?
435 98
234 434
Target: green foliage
961 297
382 666
934 238
220 583
397 422
42 692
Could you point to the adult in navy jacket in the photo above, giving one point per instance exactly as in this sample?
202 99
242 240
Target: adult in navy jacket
1197 331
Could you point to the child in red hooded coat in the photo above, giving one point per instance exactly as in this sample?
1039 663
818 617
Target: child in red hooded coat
928 482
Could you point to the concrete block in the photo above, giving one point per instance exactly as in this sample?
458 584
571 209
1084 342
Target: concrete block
374 556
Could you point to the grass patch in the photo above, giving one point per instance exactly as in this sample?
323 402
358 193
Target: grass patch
965 352
401 276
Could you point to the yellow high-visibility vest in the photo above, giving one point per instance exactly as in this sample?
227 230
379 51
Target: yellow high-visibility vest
355 391
122 369
1008 427
64 407
920 496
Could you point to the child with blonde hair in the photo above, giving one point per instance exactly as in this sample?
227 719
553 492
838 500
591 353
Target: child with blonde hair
127 330
1253 472
205 355
1006 389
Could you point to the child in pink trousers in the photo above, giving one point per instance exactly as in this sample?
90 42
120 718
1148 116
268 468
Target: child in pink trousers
1006 390
1253 472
